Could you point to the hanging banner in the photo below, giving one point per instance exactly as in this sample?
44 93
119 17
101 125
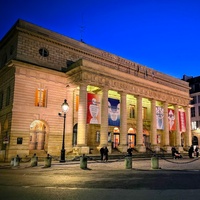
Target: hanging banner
94 109
160 117
182 121
113 112
171 120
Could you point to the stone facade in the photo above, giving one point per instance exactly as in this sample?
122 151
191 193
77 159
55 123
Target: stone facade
40 68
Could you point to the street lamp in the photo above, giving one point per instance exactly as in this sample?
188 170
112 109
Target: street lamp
65 108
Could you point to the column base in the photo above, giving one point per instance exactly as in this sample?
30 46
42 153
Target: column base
179 149
122 148
141 148
79 150
155 148
167 148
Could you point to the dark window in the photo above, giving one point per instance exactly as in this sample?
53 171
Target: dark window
43 52
1 100
193 112
8 96
199 110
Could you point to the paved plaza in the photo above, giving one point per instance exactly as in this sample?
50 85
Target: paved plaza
173 180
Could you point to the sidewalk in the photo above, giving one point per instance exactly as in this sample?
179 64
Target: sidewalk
137 164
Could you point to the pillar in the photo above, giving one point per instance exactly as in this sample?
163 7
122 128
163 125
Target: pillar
166 129
123 123
139 135
104 119
153 136
188 135
177 135
82 116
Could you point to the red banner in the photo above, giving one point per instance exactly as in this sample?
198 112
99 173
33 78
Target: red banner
94 109
182 121
171 120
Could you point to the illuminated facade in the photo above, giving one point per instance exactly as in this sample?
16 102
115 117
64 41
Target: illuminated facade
113 101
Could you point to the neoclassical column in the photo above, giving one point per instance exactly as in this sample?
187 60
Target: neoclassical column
104 118
178 135
166 129
123 123
69 118
82 115
139 135
188 134
153 135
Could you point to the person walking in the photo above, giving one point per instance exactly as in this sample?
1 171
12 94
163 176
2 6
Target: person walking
106 154
102 153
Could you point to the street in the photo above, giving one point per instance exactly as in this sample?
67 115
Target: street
175 180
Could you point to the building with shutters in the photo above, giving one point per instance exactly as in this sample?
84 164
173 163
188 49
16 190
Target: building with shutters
112 101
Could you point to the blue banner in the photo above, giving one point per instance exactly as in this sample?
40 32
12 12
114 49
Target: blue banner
113 112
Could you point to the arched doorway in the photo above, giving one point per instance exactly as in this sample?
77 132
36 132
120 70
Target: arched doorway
38 135
131 137
116 137
74 139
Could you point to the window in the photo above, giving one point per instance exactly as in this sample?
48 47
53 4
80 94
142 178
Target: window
194 126
1 100
132 111
199 110
43 52
8 96
40 97
193 112
194 100
144 113
198 98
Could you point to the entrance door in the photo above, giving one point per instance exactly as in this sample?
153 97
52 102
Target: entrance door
116 140
131 140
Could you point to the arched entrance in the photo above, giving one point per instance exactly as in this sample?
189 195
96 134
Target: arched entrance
38 135
116 138
131 137
74 139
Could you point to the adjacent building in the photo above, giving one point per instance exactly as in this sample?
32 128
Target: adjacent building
113 101
194 84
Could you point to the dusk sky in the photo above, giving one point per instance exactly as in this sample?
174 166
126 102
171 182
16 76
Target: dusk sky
161 34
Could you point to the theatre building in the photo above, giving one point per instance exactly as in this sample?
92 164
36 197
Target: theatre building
113 101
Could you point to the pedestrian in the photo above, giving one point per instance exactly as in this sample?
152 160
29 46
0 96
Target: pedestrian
190 152
102 153
106 154
197 151
129 151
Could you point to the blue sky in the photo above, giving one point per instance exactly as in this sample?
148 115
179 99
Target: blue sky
160 34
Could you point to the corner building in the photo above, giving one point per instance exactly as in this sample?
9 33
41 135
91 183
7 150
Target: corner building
112 101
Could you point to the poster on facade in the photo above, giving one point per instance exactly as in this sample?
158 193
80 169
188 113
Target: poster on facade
182 121
113 112
171 120
159 117
94 109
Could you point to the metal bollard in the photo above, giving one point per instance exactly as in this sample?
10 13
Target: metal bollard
47 161
16 161
128 162
34 161
83 162
154 163
12 162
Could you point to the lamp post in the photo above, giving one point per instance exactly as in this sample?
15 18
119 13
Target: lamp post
65 108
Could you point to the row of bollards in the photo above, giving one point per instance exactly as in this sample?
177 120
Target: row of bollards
34 161
83 162
154 162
